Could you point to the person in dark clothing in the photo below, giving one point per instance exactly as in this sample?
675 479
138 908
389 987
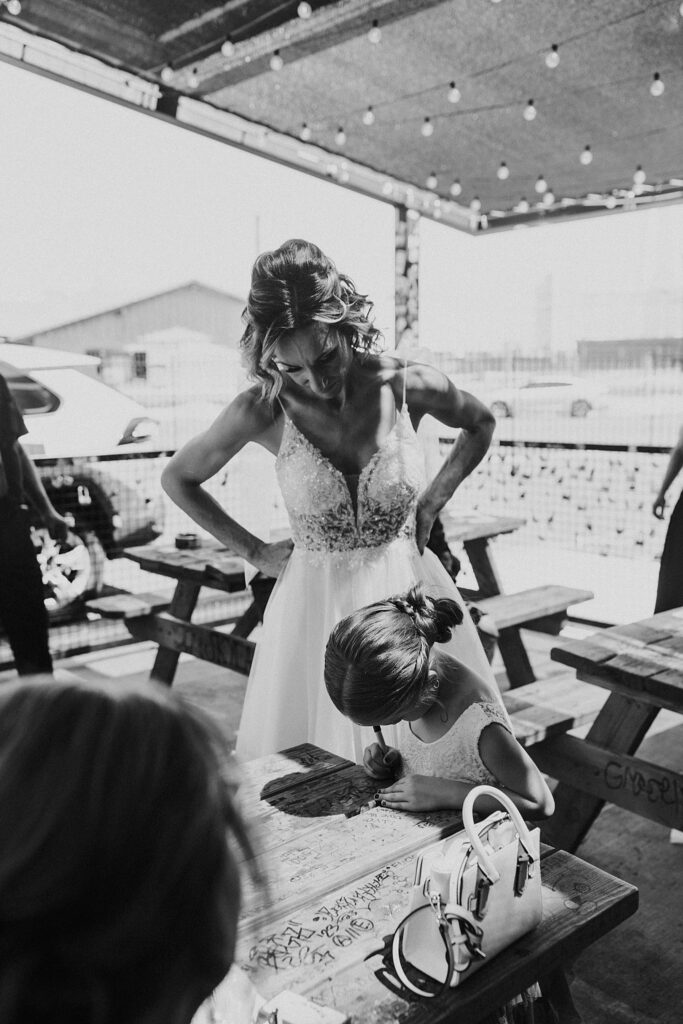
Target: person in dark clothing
670 583
22 609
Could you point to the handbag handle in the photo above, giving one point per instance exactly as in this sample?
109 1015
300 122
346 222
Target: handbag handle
485 862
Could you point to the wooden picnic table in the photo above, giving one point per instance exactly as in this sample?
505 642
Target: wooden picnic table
641 664
542 608
338 885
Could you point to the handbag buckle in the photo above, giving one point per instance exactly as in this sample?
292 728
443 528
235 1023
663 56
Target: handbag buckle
479 898
523 871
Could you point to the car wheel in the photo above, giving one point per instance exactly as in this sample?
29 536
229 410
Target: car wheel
500 409
72 570
580 407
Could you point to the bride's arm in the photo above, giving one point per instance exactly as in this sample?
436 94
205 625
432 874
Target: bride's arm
246 419
430 391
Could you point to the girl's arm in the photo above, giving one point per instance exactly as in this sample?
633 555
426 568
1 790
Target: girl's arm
430 392
245 419
507 761
672 470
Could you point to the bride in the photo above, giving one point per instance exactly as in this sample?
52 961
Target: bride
340 417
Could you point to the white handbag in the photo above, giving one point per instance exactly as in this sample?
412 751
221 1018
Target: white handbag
473 895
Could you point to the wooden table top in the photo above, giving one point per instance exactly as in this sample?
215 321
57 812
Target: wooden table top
210 564
644 659
466 526
338 885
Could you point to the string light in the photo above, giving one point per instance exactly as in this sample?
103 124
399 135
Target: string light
432 181
503 171
522 206
340 137
657 85
369 117
305 132
548 198
193 80
541 185
427 128
227 47
276 61
387 189
552 57
375 33
455 189
586 156
13 7
610 202
529 112
304 10
475 204
639 176
166 74
454 93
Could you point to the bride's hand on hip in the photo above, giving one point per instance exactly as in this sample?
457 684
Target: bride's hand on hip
424 520
272 558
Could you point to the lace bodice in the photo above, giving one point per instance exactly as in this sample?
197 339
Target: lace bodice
455 755
319 502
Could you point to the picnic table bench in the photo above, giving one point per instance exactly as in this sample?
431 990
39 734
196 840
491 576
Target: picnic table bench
542 608
337 885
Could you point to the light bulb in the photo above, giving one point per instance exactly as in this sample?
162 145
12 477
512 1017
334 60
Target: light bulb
522 206
475 204
14 8
276 61
586 156
639 176
503 171
427 128
657 85
227 47
610 202
455 189
166 74
541 185
193 79
369 116
340 137
453 93
304 10
529 111
375 33
305 132
432 180
387 189
548 198
552 57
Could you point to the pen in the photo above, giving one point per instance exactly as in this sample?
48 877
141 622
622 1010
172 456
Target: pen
380 738
363 807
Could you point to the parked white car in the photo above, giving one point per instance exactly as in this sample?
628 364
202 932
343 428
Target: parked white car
567 395
71 417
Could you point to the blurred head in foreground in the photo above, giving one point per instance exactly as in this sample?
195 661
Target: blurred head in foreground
119 888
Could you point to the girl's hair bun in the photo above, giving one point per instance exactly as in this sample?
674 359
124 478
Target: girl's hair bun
434 617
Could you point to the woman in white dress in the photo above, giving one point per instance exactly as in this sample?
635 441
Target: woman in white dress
340 417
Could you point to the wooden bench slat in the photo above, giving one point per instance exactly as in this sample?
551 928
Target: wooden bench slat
527 605
123 606
551 707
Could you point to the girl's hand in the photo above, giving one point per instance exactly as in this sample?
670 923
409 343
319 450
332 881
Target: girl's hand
272 558
658 507
413 793
381 765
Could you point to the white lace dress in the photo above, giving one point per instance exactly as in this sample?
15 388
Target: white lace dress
346 554
455 755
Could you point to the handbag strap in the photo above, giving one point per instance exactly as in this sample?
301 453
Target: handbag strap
485 862
469 931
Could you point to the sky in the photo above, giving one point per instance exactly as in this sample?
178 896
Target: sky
100 205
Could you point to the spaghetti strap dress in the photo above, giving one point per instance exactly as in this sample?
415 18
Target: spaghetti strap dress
347 553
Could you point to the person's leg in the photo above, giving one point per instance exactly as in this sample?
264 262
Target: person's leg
22 608
670 582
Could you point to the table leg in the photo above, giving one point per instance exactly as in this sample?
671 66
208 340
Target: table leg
620 726
182 606
515 657
483 568
555 988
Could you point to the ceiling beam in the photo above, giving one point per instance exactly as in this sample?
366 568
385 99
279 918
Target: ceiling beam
295 39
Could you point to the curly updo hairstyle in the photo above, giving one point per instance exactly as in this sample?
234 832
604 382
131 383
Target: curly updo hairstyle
119 886
377 658
293 287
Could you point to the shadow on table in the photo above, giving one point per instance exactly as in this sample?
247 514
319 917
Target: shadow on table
322 796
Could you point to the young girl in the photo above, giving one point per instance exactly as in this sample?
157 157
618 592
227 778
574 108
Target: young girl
382 667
